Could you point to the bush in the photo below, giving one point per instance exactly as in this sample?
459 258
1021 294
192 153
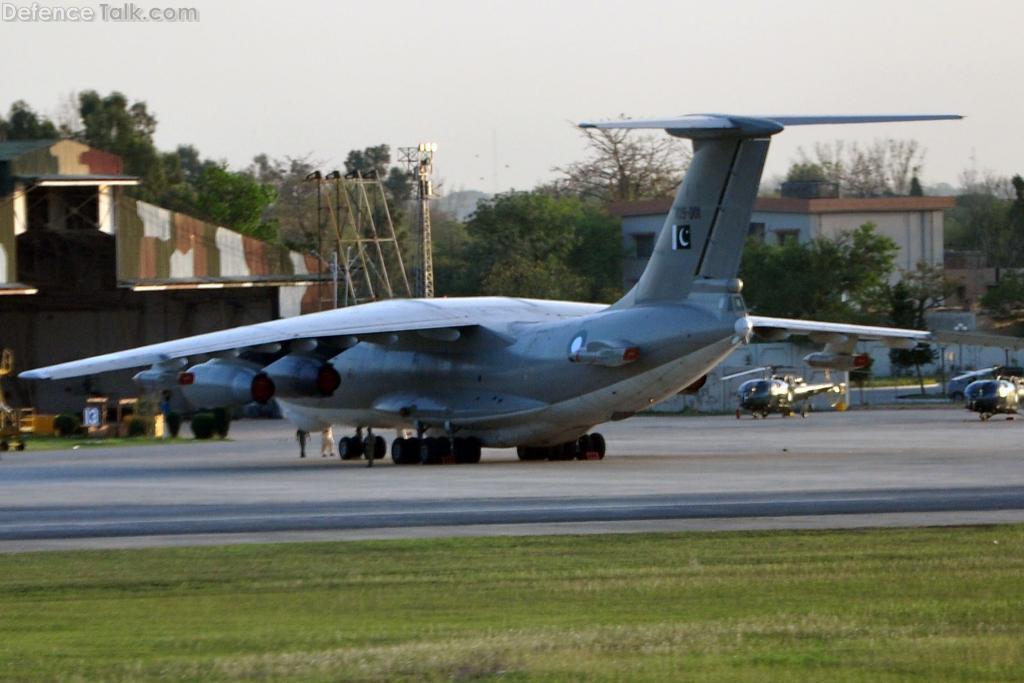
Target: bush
137 426
173 424
66 424
222 422
203 425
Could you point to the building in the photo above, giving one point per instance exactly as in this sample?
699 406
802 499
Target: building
914 223
86 269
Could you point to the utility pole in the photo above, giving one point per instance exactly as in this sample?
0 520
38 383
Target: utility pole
420 163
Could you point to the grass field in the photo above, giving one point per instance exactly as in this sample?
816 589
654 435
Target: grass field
883 605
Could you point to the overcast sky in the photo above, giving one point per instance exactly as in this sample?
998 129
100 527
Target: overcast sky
478 76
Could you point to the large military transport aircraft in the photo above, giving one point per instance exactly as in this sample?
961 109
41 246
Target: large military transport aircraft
502 372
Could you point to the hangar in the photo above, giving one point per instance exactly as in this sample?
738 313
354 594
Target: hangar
87 269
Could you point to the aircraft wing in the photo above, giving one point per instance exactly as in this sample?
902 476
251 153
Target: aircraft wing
826 332
382 318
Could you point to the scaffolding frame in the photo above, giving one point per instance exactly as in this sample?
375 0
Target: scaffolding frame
363 236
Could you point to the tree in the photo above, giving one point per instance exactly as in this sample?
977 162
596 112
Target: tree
531 244
885 167
236 201
806 172
114 124
842 279
1007 296
622 165
922 354
917 292
294 209
23 123
915 188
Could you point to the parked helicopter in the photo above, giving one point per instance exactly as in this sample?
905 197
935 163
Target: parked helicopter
779 393
989 397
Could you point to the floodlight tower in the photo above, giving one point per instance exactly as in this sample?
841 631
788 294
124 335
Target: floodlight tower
420 163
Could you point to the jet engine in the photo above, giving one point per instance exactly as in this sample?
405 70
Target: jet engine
297 376
219 382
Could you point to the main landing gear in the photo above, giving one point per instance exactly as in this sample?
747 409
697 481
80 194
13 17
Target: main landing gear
371 447
450 450
587 447
436 450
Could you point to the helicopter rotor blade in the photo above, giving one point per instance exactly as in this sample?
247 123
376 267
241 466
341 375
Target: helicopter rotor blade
747 372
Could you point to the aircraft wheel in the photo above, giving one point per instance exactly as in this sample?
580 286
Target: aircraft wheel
583 447
737 413
434 450
590 447
467 451
531 453
4 446
561 452
350 448
21 445
377 450
405 451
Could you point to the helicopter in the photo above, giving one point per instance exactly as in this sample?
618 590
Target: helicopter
999 395
778 393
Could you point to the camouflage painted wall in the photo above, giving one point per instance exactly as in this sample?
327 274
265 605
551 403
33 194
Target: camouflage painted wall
8 249
160 247
66 157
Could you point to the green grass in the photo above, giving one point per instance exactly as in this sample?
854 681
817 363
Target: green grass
57 443
882 605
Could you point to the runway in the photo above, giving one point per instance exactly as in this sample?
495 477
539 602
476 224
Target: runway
905 467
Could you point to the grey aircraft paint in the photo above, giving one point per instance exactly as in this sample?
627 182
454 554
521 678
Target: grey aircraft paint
513 372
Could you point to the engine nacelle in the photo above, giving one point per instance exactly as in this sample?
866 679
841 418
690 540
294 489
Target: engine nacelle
300 376
161 375
218 383
828 360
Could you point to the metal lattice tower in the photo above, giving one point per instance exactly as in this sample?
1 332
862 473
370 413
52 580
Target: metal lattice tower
420 163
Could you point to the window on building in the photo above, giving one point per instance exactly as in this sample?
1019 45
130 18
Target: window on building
784 236
756 230
644 244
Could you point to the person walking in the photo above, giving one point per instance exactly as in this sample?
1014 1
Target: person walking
303 438
327 443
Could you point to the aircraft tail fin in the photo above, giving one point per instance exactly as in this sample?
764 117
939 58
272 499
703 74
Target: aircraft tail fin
703 235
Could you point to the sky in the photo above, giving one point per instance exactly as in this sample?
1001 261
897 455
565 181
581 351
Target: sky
497 85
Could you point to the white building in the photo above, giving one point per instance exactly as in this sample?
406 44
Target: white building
914 223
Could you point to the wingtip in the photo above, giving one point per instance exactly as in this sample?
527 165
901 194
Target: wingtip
31 374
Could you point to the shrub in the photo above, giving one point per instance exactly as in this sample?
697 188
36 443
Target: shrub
203 425
66 424
173 424
137 427
222 422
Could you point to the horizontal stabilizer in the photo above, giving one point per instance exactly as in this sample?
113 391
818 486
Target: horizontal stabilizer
726 125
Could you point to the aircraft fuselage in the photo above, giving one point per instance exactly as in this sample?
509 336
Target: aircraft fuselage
485 382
